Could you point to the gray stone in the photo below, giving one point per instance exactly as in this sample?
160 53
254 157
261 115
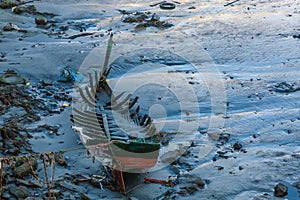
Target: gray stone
297 184
280 190
23 182
41 20
19 192
70 186
84 196
8 28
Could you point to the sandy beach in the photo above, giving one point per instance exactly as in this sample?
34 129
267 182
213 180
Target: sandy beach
231 69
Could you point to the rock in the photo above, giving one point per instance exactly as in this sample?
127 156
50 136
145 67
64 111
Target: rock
280 190
23 182
8 28
70 186
33 198
17 10
6 195
19 192
47 82
297 184
237 146
175 169
12 27
84 196
22 167
41 20
9 3
24 9
35 183
189 183
60 159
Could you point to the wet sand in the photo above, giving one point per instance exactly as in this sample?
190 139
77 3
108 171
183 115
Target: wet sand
255 47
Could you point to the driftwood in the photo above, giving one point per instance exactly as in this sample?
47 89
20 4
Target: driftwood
81 35
230 3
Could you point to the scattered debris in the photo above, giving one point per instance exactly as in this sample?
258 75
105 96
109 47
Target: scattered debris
280 190
81 35
285 87
67 75
146 19
11 77
156 4
167 6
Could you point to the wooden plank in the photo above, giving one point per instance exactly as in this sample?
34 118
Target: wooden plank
105 123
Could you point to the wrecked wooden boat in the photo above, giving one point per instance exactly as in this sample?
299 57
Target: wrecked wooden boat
113 129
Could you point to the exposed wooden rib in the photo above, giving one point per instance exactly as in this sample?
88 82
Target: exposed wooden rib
85 120
105 123
131 103
116 98
152 131
82 117
87 124
96 76
86 113
92 142
107 72
143 119
97 135
115 137
136 111
85 99
117 107
149 121
92 84
89 93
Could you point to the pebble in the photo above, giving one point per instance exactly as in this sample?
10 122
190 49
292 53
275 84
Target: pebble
47 82
41 20
84 197
237 146
8 28
280 190
297 184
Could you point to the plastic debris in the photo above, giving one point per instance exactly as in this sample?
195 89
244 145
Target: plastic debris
67 75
